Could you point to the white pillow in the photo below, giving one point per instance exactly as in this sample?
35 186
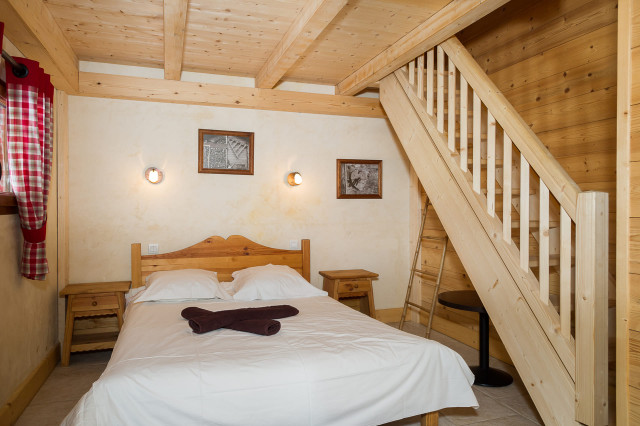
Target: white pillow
182 284
271 282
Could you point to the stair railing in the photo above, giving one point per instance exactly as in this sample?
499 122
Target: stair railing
565 283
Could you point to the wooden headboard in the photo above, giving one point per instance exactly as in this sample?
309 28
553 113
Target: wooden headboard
220 255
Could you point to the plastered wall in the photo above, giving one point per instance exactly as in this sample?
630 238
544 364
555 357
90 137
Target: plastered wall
111 205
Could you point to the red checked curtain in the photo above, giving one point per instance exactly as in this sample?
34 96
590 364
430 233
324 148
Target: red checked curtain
30 149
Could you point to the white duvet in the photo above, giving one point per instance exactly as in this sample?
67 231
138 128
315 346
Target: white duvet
329 365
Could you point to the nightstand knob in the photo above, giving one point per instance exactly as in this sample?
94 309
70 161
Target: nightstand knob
94 303
355 286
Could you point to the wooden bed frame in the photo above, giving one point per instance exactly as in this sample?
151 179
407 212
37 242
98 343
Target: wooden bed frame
226 256
219 255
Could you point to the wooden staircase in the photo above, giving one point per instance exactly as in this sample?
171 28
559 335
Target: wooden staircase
533 244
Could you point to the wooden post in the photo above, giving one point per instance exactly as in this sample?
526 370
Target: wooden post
430 82
136 275
591 307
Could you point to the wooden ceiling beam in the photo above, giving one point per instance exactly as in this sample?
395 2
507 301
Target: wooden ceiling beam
175 23
185 92
445 23
32 29
309 23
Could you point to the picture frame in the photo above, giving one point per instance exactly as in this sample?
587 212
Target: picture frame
225 152
358 179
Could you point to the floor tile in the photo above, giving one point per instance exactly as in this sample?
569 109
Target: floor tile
45 415
507 421
489 409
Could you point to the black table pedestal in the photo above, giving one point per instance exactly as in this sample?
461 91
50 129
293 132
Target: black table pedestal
485 375
468 300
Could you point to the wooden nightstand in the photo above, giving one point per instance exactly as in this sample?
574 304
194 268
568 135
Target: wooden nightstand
89 300
351 283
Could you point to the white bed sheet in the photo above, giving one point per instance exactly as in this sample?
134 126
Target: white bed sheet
328 365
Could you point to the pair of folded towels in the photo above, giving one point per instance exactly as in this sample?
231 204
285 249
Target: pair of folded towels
251 320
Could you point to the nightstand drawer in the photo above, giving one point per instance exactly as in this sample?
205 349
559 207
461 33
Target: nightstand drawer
95 302
352 286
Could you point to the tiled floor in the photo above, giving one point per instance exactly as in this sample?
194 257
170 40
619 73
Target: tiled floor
498 406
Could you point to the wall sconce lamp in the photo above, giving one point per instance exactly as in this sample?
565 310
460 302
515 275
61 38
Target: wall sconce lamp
294 179
153 175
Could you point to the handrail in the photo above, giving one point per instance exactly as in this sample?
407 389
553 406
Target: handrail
555 177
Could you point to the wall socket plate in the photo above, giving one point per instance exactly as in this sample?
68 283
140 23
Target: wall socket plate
294 245
153 248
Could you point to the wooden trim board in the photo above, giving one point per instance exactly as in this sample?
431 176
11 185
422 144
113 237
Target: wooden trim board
21 398
185 92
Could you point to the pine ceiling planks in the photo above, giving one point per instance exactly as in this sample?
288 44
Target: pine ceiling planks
237 37
362 30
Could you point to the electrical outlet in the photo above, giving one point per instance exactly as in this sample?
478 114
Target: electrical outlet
153 248
293 245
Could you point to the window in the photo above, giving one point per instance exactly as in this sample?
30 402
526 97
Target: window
7 199
4 170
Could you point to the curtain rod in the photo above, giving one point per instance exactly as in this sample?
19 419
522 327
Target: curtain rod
19 70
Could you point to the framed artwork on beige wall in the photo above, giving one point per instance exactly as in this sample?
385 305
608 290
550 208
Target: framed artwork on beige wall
226 152
359 178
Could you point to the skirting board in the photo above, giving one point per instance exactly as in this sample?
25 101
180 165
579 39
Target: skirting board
16 404
389 315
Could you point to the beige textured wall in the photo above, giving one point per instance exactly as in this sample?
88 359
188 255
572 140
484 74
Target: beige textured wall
111 205
28 308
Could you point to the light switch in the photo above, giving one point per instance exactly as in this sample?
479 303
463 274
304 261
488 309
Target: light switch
293 245
153 248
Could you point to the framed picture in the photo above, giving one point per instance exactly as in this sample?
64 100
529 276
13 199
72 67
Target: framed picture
227 152
359 178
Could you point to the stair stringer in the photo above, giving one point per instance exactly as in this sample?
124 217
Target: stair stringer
543 372
527 282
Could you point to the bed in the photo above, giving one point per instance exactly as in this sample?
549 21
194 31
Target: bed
328 365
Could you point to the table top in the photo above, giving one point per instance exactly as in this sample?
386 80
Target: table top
92 288
346 274
466 300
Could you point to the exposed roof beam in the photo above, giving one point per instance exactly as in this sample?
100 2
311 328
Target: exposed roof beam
175 23
184 92
310 22
31 28
454 17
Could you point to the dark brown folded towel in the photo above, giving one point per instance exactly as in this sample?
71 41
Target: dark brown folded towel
265 327
202 320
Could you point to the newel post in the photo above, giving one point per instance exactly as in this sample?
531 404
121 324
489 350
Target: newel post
592 244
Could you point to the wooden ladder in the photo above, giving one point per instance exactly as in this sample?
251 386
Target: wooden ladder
415 270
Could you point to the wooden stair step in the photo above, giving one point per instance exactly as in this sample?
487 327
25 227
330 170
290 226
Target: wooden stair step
483 162
554 260
515 192
535 224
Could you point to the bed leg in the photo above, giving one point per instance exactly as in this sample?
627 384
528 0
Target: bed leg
429 419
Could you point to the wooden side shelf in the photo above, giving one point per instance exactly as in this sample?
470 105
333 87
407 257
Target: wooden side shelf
90 300
350 284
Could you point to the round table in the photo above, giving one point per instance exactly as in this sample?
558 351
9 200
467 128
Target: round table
468 300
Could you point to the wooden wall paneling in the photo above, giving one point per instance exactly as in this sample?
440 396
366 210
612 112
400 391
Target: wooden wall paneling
586 49
574 111
564 84
585 19
586 138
